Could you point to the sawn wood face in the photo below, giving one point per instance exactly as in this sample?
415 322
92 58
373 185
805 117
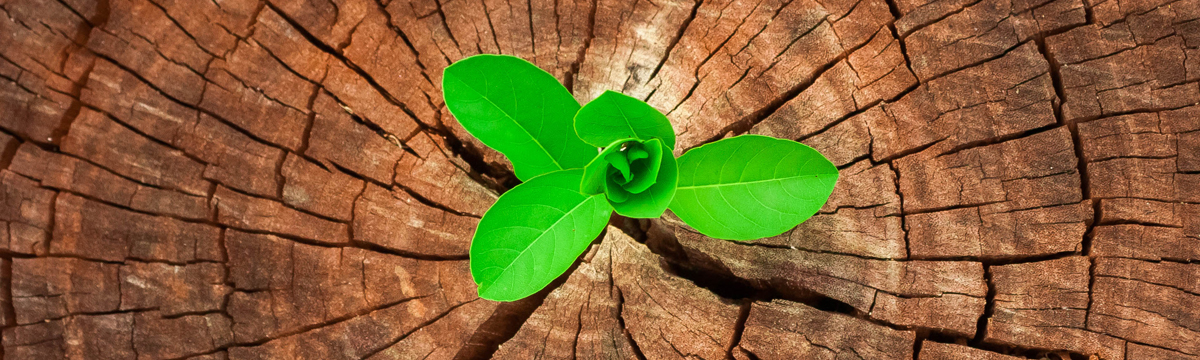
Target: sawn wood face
281 179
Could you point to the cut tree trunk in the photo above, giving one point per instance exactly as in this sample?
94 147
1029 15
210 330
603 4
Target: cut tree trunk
239 179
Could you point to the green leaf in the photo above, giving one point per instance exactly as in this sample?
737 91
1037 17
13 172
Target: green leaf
637 178
653 200
533 233
517 109
751 186
595 171
647 171
613 116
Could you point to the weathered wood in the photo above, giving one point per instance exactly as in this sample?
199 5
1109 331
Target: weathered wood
1045 304
786 330
663 316
932 350
581 318
947 295
282 179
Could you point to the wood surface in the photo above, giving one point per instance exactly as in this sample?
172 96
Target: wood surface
255 179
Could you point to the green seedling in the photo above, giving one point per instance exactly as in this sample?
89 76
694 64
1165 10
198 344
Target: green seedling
580 164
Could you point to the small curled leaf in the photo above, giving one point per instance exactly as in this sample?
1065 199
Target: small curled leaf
637 177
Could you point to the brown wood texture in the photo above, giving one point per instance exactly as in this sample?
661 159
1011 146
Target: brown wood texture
254 179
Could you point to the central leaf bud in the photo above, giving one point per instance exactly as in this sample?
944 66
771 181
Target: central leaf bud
631 170
637 176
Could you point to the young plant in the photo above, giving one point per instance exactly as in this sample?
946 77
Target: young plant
579 165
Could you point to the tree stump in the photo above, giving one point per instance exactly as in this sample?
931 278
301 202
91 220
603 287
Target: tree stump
240 179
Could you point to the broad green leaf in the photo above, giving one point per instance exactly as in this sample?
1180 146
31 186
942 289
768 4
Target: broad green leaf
517 109
533 233
751 186
613 116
